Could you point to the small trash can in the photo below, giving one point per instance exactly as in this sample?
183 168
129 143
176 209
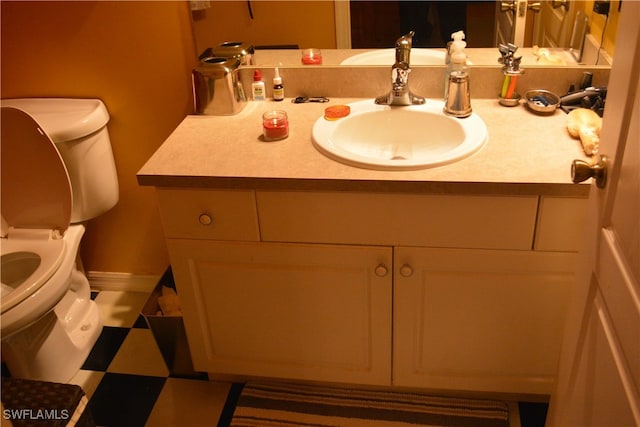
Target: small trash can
217 88
169 332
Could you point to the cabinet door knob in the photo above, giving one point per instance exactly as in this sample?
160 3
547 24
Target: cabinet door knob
406 270
205 219
381 270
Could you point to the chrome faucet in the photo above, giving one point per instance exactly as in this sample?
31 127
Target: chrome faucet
400 93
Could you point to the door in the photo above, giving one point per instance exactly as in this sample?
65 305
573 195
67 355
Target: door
374 24
554 26
511 21
599 371
367 24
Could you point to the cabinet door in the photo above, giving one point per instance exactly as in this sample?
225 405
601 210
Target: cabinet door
288 311
479 320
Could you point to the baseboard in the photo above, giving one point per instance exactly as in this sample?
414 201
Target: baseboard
113 281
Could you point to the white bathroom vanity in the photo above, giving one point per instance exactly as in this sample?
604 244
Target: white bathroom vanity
291 265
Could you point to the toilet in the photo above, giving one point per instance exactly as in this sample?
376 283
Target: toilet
57 172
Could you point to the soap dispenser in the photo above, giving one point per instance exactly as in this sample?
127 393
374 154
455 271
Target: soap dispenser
457 58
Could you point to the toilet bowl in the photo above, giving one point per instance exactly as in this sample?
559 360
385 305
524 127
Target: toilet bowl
48 322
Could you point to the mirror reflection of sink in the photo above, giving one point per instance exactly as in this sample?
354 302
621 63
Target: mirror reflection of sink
399 138
387 57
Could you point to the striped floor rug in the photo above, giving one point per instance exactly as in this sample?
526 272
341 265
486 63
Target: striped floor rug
274 404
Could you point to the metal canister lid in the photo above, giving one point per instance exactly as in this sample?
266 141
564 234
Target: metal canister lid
232 49
216 66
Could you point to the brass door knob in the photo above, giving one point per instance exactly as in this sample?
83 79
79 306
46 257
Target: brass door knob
581 171
560 3
506 6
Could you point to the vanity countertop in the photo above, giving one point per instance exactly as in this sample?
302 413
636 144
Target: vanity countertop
526 154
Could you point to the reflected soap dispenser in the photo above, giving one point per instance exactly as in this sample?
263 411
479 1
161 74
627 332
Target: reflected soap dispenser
457 58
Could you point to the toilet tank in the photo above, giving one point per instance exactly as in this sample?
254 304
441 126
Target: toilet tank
78 127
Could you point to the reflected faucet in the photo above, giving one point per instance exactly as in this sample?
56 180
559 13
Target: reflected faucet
400 93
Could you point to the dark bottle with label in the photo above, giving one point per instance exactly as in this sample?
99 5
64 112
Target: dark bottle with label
278 88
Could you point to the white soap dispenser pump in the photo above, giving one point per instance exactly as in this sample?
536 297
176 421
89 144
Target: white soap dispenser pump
457 58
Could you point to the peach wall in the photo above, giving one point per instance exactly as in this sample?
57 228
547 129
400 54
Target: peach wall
601 23
305 23
136 57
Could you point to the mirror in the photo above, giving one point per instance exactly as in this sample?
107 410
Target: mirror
334 26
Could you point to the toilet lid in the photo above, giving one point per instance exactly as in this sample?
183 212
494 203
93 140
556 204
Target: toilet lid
35 187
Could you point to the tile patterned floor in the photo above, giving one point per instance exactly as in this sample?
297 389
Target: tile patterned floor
127 381
129 385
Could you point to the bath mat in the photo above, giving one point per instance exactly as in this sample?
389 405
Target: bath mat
276 404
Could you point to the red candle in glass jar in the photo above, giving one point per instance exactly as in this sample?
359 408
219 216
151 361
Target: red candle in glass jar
311 56
275 125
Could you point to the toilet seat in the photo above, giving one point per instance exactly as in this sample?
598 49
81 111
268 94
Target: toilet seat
19 277
36 206
50 292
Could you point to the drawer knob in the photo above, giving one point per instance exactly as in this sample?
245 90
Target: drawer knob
406 270
205 219
381 270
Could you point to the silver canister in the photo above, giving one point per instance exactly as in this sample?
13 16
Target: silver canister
217 90
240 50
458 102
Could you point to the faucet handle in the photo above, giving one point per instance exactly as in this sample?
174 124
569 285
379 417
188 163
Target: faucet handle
403 48
400 93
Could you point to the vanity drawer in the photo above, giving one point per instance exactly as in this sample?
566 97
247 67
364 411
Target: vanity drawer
459 221
209 214
561 223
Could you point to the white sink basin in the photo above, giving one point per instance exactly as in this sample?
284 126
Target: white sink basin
388 57
399 138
